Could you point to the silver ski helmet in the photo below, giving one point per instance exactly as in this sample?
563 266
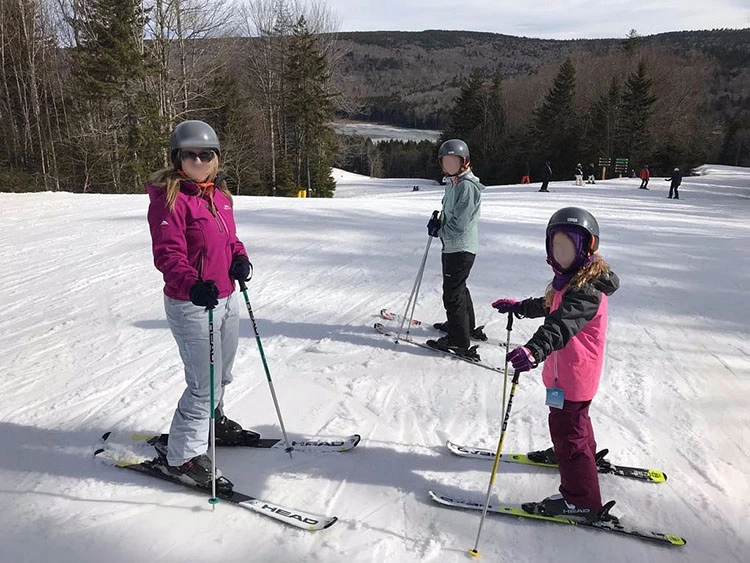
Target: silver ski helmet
576 217
195 134
456 147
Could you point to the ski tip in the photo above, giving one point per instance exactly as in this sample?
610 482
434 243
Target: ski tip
106 436
675 540
356 438
98 451
331 522
657 476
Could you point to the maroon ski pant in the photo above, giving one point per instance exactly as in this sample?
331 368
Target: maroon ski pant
575 450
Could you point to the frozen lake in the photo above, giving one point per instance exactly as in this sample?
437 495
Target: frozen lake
377 132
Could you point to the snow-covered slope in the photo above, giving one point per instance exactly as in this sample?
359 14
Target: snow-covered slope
84 348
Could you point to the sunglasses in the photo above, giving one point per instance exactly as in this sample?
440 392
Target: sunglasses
205 156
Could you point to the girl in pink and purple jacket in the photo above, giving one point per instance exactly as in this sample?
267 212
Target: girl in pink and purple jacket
572 341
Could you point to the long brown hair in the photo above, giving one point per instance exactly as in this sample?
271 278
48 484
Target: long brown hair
588 273
169 179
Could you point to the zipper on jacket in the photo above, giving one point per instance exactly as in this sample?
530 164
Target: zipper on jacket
220 222
200 263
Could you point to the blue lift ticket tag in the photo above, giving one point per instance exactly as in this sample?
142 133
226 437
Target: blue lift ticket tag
555 398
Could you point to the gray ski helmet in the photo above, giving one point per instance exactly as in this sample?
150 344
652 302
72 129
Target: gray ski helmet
195 134
454 146
578 217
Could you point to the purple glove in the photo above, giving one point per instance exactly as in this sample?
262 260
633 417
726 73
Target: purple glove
521 358
508 306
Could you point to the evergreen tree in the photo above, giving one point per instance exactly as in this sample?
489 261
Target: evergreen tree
478 117
109 52
468 112
493 131
637 102
632 42
124 125
555 129
309 108
604 123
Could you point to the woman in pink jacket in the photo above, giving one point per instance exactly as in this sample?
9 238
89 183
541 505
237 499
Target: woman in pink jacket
571 343
196 249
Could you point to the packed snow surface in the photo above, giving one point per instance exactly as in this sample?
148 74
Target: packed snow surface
85 348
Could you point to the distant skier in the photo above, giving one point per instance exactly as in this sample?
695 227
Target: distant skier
196 249
645 175
676 179
526 173
578 174
458 230
592 174
546 175
572 339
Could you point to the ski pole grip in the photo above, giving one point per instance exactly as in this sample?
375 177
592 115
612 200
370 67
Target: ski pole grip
509 326
243 286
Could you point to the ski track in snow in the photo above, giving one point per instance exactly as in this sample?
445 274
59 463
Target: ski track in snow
86 349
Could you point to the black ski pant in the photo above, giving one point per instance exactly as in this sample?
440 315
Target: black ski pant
545 183
644 183
673 188
456 297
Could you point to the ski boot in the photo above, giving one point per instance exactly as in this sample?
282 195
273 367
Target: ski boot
475 334
478 334
556 506
543 456
446 345
196 472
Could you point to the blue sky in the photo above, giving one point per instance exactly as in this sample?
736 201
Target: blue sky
562 19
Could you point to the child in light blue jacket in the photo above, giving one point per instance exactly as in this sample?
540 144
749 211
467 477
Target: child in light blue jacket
458 229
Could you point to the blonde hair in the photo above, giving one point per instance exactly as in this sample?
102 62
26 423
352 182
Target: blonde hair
169 179
588 273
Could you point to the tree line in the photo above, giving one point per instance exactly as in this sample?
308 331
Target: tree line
92 88
664 125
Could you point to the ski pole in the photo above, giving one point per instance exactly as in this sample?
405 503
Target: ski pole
414 290
475 551
412 301
509 328
419 286
289 447
214 499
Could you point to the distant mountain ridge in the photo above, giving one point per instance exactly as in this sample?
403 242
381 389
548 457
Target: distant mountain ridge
408 78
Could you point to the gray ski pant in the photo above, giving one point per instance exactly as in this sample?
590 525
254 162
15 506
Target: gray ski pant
188 435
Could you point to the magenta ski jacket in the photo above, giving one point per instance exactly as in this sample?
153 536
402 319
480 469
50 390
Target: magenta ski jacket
192 242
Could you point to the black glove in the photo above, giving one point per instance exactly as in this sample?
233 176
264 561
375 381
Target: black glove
205 294
240 268
433 225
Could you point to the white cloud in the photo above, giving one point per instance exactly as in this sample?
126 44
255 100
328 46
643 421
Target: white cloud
543 18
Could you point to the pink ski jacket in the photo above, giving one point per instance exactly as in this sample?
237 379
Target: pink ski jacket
192 243
573 336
